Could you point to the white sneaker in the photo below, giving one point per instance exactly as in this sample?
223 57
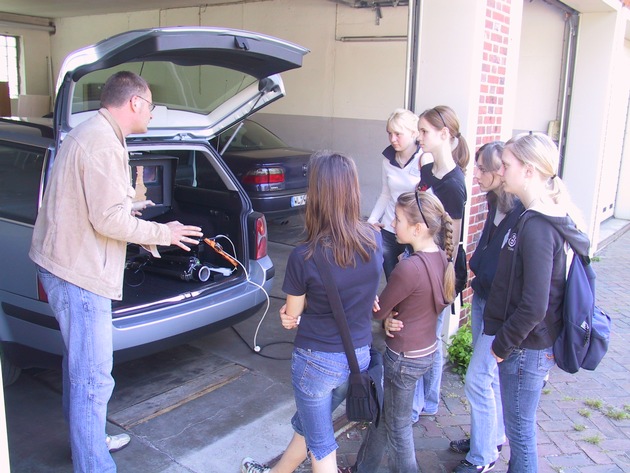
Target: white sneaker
117 442
248 465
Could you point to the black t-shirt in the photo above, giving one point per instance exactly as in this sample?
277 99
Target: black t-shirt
451 189
357 288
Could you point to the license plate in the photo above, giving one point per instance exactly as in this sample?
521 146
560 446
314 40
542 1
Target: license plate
298 200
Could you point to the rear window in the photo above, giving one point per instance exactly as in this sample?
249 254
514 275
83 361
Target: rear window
249 135
20 177
199 89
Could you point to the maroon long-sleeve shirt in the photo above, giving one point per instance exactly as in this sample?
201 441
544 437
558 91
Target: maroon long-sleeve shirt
416 289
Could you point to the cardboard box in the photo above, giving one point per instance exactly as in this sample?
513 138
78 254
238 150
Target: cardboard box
5 100
33 105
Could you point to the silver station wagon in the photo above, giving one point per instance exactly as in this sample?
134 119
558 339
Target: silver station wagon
203 80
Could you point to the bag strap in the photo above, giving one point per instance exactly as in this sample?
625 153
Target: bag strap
337 308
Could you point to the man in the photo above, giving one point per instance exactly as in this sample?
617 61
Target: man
79 244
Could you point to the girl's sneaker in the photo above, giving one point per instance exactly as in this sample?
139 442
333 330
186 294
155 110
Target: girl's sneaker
248 465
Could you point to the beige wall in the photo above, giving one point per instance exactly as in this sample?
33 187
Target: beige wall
599 50
539 67
622 205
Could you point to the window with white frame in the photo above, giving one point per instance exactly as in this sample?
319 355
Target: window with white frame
9 64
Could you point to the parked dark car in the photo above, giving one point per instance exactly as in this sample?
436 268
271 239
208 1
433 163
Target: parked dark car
182 295
272 173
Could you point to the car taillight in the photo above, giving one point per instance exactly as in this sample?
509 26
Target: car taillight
41 294
264 176
261 237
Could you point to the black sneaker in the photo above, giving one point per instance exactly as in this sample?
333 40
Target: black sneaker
460 446
466 466
463 446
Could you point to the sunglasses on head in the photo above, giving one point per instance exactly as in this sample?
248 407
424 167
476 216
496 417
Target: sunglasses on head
417 193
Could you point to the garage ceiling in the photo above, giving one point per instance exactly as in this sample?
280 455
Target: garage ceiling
66 8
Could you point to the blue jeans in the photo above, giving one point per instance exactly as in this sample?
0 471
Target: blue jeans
391 251
395 429
85 321
484 393
427 396
319 384
522 374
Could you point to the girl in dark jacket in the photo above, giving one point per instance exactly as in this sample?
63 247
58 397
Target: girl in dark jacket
524 308
487 433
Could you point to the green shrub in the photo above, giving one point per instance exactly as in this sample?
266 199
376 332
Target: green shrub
460 349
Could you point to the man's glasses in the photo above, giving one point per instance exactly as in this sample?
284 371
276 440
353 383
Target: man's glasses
151 104
420 208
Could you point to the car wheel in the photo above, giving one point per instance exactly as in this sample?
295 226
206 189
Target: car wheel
10 372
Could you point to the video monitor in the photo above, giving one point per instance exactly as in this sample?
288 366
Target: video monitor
153 177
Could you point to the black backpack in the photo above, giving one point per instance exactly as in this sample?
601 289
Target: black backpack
585 335
584 338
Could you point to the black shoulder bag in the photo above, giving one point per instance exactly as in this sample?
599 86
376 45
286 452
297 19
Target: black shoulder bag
364 400
461 268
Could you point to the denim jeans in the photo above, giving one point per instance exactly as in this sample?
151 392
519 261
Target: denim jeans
395 431
483 392
319 384
85 321
522 374
391 251
427 396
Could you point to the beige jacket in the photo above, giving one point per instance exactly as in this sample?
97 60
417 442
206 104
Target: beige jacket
85 220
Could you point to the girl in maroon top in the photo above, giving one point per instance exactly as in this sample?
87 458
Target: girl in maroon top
419 287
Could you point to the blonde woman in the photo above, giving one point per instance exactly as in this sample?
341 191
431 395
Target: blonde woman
524 308
400 173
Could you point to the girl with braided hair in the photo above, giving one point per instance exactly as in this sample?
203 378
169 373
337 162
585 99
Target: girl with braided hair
420 287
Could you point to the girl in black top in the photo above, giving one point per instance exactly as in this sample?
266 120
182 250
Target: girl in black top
443 164
482 376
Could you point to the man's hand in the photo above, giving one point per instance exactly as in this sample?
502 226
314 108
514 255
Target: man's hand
139 206
183 235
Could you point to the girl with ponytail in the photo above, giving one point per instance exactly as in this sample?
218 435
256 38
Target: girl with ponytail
442 173
524 307
420 287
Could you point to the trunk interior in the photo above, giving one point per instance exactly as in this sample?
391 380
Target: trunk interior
185 187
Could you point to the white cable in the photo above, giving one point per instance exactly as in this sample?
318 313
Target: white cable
256 346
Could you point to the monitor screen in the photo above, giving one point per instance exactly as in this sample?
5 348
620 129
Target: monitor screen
152 176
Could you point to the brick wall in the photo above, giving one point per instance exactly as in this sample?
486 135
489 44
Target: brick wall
491 93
